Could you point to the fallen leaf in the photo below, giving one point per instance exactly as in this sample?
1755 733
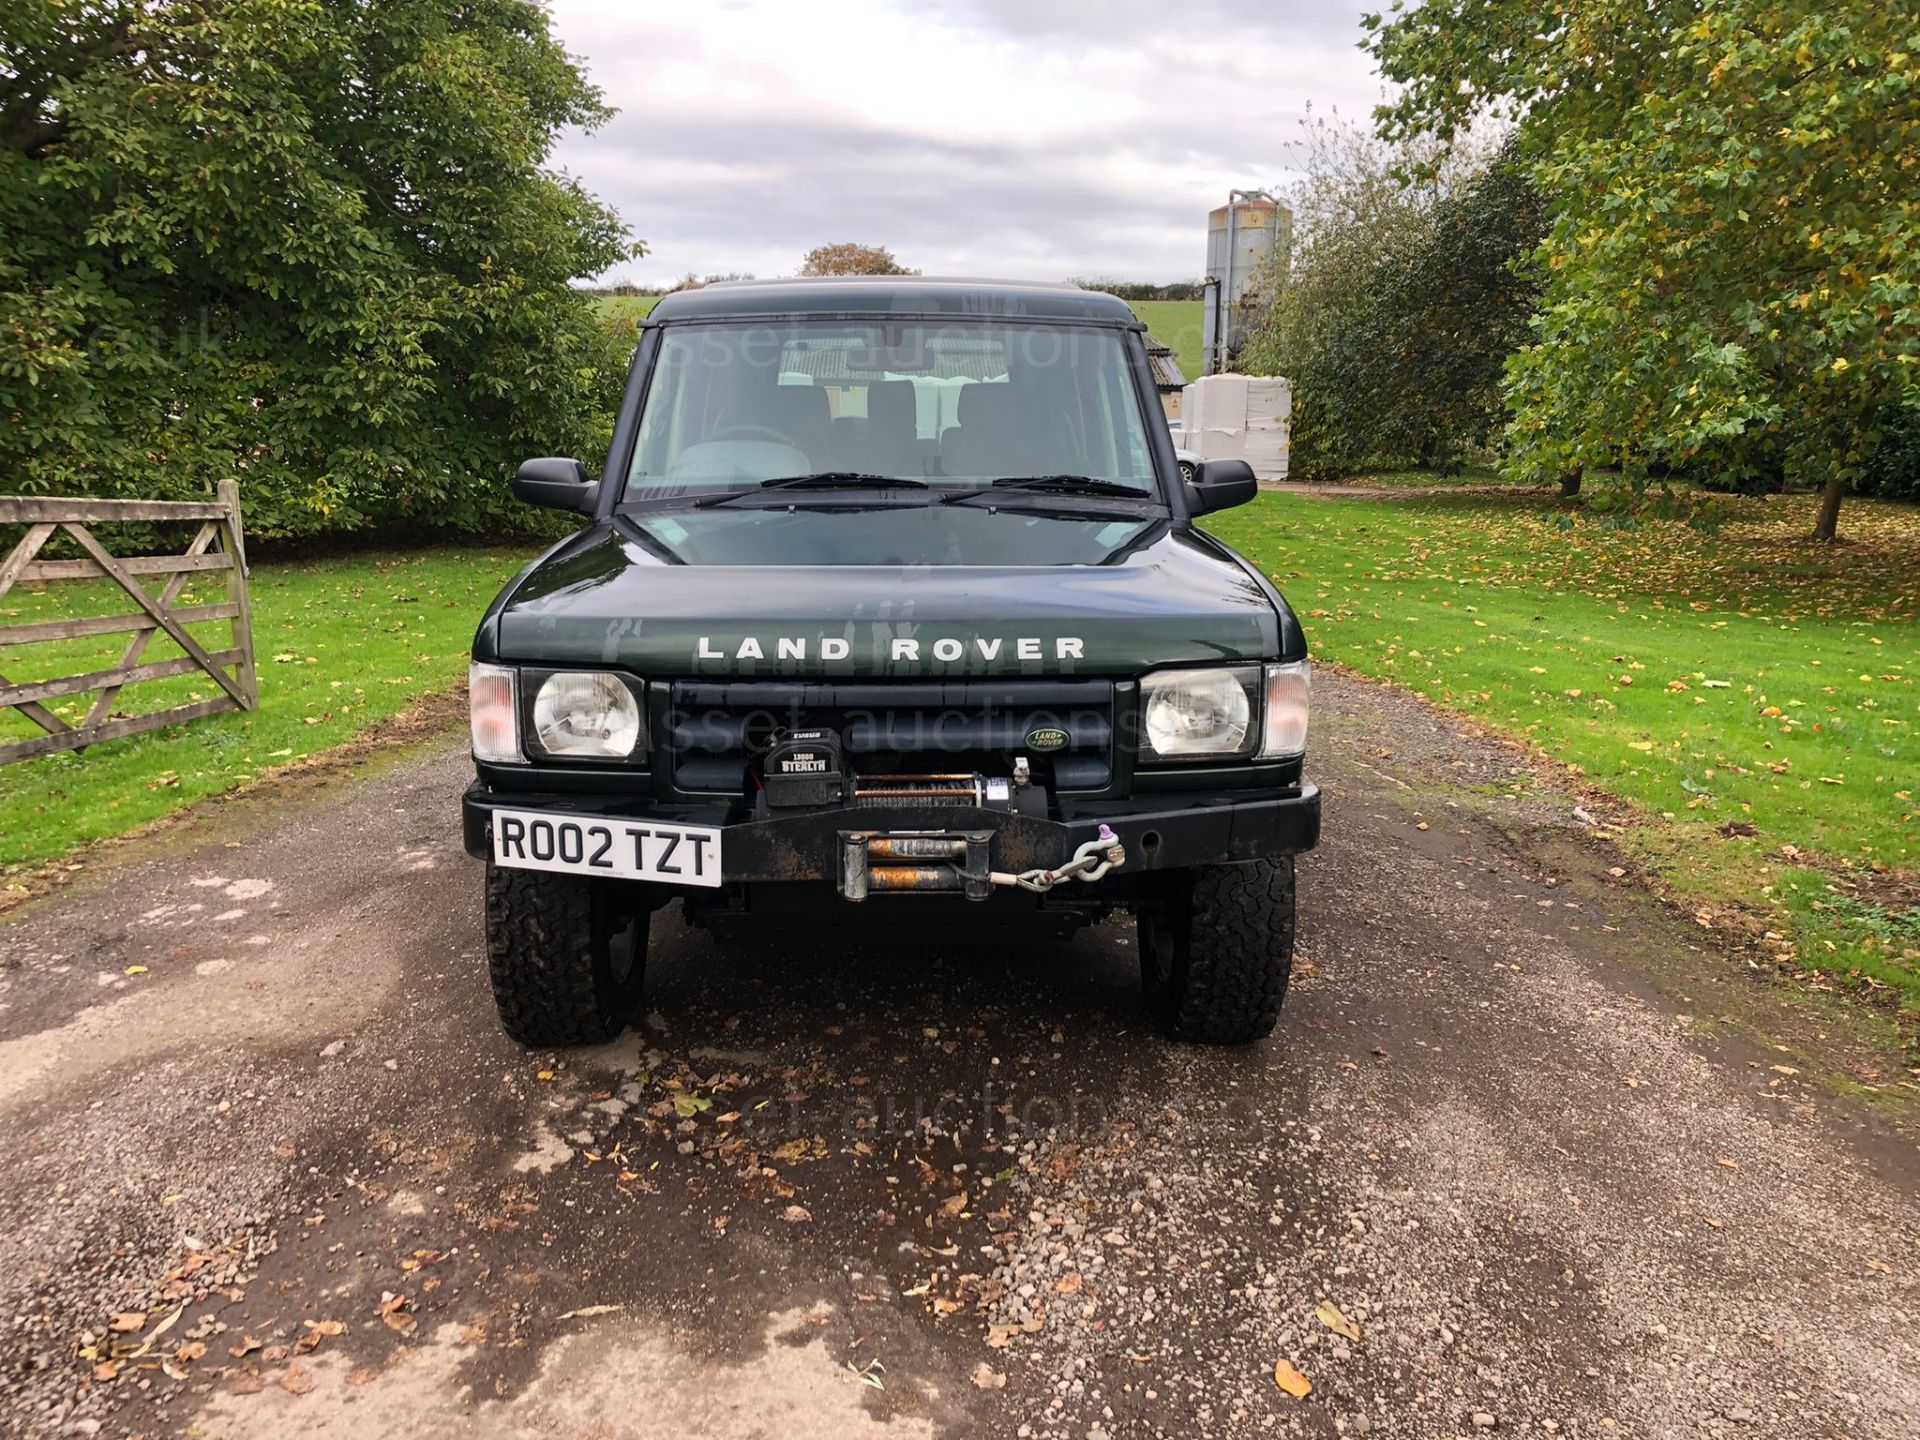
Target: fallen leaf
587 1312
245 1348
988 1378
127 1322
105 1370
953 1205
393 1310
1291 1380
1726 1164
296 1380
362 1375
190 1350
1330 1315
1069 1284
317 1330
796 1214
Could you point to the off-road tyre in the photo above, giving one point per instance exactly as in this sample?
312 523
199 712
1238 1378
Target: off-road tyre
565 958
1216 951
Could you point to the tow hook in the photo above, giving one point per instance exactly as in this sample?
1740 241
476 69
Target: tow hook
1092 860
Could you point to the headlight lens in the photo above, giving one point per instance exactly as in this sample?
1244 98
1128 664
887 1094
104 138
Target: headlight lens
1289 689
586 715
1197 714
493 712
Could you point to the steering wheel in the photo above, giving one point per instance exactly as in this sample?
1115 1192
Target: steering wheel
747 429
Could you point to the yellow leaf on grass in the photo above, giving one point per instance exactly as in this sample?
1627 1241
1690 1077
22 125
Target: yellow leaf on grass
1291 1380
1330 1315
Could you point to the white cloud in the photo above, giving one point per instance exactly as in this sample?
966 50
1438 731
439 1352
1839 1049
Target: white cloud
997 137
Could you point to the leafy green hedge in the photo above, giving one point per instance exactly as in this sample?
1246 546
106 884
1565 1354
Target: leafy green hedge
315 247
1893 469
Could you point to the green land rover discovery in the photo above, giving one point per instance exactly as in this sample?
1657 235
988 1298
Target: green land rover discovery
889 599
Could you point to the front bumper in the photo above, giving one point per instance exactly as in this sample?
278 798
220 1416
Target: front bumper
1160 832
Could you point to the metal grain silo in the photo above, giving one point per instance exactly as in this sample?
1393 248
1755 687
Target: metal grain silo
1243 237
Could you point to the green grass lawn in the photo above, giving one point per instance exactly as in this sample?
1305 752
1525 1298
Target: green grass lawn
1176 323
1755 695
342 644
1468 477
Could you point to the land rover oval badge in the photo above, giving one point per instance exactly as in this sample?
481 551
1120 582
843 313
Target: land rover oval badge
1046 739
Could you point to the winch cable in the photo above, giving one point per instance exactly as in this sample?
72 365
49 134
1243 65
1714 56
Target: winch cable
1092 860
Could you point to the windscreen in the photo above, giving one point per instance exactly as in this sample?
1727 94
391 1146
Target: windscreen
943 403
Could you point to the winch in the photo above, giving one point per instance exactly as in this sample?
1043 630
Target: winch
808 769
929 861
804 768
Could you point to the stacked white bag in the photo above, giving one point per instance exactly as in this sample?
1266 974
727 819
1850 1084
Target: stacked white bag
1239 417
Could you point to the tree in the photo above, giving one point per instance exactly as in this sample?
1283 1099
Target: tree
1734 256
313 245
851 259
1399 302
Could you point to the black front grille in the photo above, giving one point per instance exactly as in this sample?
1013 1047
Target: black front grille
908 727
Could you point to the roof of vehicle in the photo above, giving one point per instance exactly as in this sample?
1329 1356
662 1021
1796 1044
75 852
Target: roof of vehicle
892 295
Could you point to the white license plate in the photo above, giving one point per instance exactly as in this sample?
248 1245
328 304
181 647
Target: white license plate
611 849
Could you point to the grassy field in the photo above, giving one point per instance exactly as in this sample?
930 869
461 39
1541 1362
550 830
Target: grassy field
634 307
1756 697
1176 323
343 644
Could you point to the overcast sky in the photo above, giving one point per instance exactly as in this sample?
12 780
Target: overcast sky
1020 138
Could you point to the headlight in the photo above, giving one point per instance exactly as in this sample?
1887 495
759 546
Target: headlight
492 707
1289 687
586 715
1197 714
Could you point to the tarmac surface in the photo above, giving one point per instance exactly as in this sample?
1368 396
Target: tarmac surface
272 1170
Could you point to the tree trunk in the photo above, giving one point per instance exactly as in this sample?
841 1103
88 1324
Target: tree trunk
1570 484
1827 526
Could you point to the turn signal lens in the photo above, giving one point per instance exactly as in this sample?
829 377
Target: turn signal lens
496 722
1289 689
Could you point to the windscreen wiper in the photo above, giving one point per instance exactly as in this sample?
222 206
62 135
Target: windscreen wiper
1048 484
819 480
1078 484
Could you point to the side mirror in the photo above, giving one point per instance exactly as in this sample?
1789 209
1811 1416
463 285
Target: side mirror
556 483
1220 485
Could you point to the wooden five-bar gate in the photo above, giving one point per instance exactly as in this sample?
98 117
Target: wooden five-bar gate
218 545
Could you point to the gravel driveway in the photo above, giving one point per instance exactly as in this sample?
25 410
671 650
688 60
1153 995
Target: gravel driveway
273 1171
